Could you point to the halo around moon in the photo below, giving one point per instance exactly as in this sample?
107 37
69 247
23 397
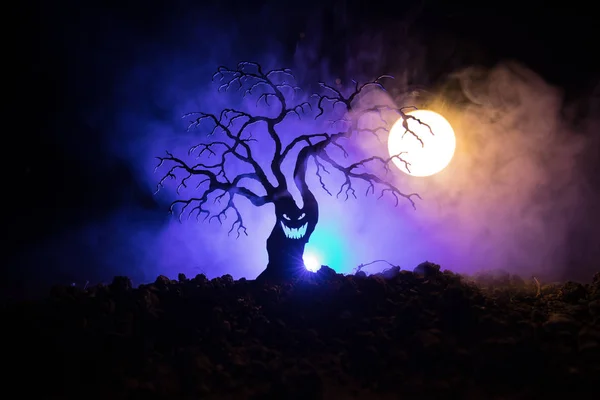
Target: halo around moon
428 158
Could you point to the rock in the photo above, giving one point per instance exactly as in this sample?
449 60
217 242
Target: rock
120 284
162 281
589 333
225 327
559 322
303 382
594 307
455 296
594 288
326 273
148 299
590 349
427 269
374 286
572 292
270 294
537 315
260 325
349 287
360 274
391 273
200 279
227 280
428 339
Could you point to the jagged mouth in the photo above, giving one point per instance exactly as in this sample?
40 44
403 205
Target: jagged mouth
294 233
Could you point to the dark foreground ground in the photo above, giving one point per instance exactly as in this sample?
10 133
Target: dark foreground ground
407 336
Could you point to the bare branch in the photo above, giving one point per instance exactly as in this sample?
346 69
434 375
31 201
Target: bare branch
361 266
374 131
223 215
320 141
336 97
374 83
321 167
271 85
405 118
384 161
303 138
223 123
300 107
215 186
371 179
332 100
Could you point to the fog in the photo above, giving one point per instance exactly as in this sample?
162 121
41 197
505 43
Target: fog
518 194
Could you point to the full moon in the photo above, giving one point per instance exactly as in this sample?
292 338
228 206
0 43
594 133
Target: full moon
428 158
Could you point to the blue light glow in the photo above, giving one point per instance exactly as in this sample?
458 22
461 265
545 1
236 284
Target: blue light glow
327 244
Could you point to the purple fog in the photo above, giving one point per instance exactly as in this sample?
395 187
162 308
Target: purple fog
519 194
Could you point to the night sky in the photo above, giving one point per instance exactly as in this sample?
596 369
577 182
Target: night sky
105 76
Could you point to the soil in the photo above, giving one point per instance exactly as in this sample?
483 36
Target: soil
423 334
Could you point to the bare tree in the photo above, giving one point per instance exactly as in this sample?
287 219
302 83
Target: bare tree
294 225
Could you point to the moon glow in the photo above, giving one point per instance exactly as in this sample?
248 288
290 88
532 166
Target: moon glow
428 158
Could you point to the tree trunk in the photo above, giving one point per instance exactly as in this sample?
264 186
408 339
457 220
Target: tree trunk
290 234
292 229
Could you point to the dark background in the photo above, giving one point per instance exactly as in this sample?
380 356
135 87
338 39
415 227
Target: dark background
62 172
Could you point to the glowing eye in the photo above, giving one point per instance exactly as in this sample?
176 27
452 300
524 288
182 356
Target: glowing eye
286 217
302 216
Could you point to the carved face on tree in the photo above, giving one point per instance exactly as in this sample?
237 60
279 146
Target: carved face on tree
296 223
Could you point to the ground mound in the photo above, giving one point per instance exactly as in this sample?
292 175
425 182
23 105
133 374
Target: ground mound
402 334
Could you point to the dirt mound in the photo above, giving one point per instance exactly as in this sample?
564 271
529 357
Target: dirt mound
400 334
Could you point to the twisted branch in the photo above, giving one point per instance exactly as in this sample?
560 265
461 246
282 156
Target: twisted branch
252 76
320 141
215 185
274 87
371 179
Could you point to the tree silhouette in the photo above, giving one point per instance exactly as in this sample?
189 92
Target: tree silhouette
294 225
